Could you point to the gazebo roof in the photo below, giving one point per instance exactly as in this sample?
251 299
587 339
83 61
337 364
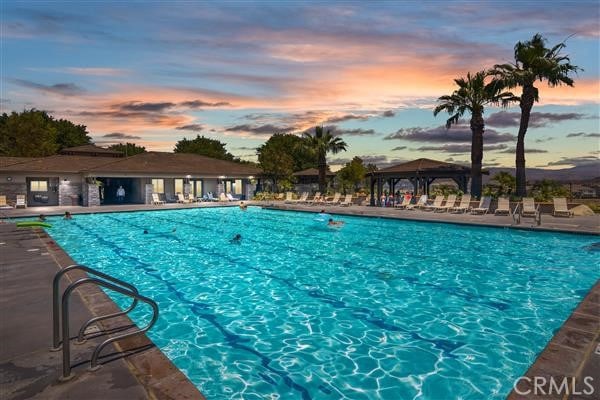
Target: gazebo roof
312 172
424 166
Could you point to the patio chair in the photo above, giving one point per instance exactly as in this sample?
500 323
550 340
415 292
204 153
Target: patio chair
21 201
315 200
231 198
528 208
181 198
437 203
422 202
484 206
224 198
449 204
335 200
209 197
156 199
3 203
503 207
303 198
347 201
289 197
464 206
405 202
561 209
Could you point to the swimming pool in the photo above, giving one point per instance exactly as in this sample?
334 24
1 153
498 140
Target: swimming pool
379 309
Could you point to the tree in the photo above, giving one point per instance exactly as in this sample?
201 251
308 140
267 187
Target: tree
533 61
275 162
34 133
129 149
501 184
352 174
320 144
70 135
546 189
472 95
205 147
27 134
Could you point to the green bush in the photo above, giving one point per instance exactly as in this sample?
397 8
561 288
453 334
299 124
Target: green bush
546 189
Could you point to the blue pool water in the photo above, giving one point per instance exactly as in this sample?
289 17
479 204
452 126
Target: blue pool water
379 309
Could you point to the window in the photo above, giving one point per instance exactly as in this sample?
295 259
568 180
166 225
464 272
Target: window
196 188
237 187
158 185
38 186
179 186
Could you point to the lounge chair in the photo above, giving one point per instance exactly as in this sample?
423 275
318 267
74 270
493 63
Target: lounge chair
289 197
422 202
450 202
503 207
561 209
316 199
181 198
3 203
231 198
484 206
437 203
278 197
347 201
302 198
156 199
405 202
209 197
528 208
464 206
335 200
224 198
21 201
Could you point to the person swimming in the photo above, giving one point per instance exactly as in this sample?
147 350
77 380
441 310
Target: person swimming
68 215
237 239
322 216
42 218
331 222
243 206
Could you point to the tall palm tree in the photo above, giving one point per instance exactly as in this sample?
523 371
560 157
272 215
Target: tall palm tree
533 61
322 143
472 95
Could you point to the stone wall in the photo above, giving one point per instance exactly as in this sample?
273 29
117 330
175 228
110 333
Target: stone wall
12 189
91 195
67 189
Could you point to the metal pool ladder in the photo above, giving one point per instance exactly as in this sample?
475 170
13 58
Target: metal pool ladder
61 308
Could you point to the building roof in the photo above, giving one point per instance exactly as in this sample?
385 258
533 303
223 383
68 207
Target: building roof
154 162
6 161
58 163
90 149
423 166
146 164
312 172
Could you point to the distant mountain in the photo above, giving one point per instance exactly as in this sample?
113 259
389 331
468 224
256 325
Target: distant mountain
579 173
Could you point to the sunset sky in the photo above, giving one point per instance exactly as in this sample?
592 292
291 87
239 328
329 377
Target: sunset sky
155 72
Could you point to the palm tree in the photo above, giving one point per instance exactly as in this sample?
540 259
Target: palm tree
472 95
533 61
322 143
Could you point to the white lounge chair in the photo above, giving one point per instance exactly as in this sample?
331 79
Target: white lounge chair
302 198
437 203
231 198
224 198
21 201
289 197
317 199
209 197
528 208
464 206
156 199
405 202
503 207
347 202
561 209
484 206
181 198
450 202
335 200
422 202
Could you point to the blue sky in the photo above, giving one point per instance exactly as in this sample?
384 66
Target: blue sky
155 72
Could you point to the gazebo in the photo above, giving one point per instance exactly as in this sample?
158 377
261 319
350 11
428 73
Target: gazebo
308 179
421 173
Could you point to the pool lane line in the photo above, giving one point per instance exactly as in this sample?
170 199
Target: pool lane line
500 305
232 339
360 313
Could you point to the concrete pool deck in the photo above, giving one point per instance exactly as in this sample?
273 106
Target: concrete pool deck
134 368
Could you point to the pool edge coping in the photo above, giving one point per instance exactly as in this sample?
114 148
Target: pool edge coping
144 365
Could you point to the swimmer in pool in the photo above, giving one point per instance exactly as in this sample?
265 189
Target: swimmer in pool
331 222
